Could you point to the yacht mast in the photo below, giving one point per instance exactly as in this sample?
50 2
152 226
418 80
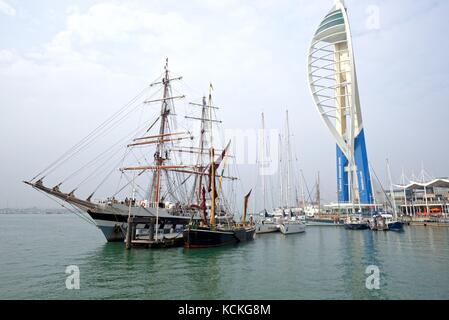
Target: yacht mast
405 191
263 162
288 160
281 182
303 196
391 190
318 193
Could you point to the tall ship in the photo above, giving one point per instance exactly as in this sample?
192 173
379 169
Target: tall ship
160 175
217 229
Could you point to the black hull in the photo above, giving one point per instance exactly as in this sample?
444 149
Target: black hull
357 226
206 238
396 226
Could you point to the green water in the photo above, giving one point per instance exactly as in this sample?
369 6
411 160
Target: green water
323 263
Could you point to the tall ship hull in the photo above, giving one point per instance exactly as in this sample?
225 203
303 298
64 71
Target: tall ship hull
114 225
111 217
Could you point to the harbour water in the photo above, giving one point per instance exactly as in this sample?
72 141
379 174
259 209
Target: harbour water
323 263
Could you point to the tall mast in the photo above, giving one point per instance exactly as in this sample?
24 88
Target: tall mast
405 192
263 161
302 190
281 182
159 154
212 161
318 193
288 160
391 190
201 148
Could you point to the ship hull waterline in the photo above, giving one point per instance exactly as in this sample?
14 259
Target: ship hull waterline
114 226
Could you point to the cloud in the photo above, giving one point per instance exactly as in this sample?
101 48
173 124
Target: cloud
7 9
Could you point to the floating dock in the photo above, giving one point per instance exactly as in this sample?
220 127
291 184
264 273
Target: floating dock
162 240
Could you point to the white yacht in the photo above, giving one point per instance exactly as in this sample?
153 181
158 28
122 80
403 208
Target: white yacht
267 224
291 226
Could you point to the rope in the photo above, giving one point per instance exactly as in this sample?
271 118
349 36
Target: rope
86 138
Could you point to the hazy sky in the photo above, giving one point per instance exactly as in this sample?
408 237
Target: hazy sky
66 65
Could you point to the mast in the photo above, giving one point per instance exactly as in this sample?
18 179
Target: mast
288 160
212 162
405 192
281 182
201 150
263 162
318 194
301 178
391 190
160 147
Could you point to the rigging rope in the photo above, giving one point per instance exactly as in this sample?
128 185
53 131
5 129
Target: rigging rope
102 129
62 205
108 150
86 138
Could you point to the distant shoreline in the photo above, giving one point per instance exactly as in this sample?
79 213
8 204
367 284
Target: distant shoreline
33 211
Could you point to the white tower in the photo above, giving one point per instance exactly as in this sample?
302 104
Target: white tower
333 84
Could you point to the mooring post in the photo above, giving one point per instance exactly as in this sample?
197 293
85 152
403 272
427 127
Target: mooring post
151 231
128 233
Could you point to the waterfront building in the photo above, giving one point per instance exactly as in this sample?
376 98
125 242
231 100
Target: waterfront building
426 198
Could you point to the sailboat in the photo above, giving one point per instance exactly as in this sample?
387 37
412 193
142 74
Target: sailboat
289 223
215 232
268 223
166 203
385 221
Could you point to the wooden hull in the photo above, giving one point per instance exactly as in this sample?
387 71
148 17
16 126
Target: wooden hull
206 238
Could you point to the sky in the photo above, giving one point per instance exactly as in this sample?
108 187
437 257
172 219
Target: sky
67 65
